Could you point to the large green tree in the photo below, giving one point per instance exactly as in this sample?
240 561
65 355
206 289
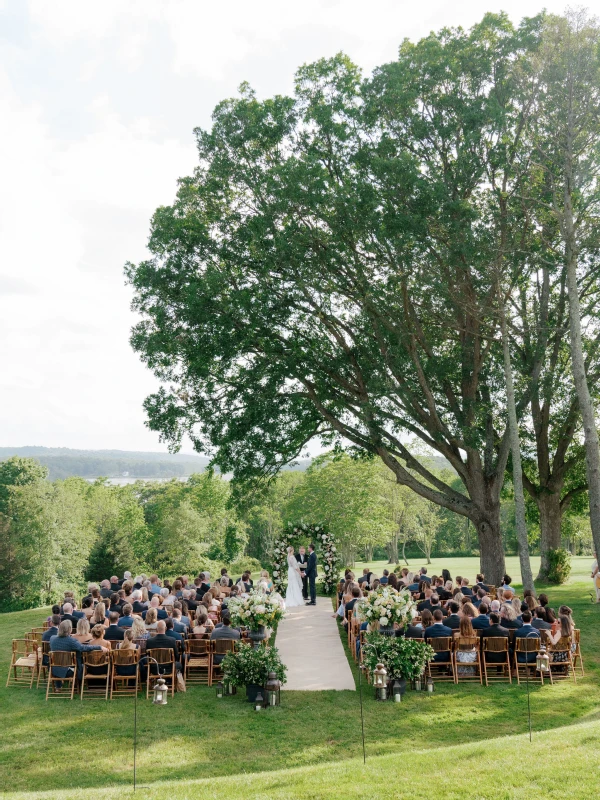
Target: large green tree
329 271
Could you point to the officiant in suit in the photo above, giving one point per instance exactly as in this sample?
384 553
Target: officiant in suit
302 560
311 574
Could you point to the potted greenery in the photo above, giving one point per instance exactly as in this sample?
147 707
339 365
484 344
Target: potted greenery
404 659
250 667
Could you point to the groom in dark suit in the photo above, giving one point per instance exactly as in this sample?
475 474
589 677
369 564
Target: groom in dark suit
311 574
302 560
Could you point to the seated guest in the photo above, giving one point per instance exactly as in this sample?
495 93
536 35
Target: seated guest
466 657
234 593
539 620
404 578
393 582
113 632
446 576
506 587
526 631
365 577
55 621
126 620
83 634
479 584
436 631
495 606
178 625
161 640
115 604
67 614
127 589
161 613
124 670
416 630
202 586
495 630
426 602
224 632
137 606
468 609
151 620
65 643
464 587
202 626
155 586
349 606
98 636
173 634
482 621
105 590
453 620
384 580
138 629
114 584
508 617
478 598
423 575
99 617
226 576
87 606
442 592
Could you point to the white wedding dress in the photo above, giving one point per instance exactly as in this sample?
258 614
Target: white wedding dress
293 594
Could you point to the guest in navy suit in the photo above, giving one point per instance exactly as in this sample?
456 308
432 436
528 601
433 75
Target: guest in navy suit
526 631
437 631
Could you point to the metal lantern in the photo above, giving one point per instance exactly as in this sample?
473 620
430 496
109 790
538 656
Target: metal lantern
380 682
161 691
230 688
259 702
430 685
220 690
542 661
419 683
397 691
273 688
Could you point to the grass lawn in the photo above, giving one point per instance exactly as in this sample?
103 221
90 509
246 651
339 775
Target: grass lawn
471 738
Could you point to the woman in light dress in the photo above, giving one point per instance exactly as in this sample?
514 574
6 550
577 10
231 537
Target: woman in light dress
293 593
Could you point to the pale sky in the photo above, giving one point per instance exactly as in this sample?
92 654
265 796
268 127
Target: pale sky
98 100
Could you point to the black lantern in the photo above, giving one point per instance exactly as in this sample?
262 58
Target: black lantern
220 690
397 691
430 685
380 682
273 689
259 702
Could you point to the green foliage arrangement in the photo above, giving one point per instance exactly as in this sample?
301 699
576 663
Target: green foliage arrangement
252 665
559 561
404 659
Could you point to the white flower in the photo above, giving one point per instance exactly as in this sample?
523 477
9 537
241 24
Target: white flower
260 609
383 621
275 573
333 547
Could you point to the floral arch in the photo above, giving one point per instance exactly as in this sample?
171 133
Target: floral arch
324 542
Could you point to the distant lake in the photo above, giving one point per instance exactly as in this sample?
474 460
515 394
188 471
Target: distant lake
126 481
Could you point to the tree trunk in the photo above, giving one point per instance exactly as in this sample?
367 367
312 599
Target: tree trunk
491 551
592 452
404 551
548 504
515 447
393 550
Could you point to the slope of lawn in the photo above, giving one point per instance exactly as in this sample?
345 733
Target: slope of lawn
71 746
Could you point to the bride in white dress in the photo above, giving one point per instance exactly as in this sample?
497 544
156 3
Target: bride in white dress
293 594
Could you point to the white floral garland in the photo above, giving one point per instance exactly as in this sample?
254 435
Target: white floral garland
320 536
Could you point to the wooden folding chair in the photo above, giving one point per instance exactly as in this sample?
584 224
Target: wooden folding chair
442 644
43 664
348 615
220 648
577 654
165 668
468 644
124 685
564 668
526 647
198 661
64 660
500 668
96 670
225 591
23 666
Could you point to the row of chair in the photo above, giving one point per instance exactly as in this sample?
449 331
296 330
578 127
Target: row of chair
33 663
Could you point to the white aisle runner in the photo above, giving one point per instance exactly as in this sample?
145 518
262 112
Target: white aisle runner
309 645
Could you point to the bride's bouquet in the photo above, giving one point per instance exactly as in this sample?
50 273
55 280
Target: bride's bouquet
256 610
386 606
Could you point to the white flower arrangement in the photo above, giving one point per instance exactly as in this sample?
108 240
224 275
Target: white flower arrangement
256 610
387 606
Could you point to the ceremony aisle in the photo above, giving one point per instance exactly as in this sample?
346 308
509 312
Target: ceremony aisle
309 645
